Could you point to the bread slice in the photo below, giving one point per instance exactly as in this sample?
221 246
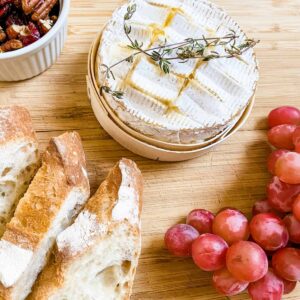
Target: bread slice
54 197
97 256
19 158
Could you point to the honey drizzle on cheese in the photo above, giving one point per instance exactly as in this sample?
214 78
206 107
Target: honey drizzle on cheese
201 118
156 32
171 16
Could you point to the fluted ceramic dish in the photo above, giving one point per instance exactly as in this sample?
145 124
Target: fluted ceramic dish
34 59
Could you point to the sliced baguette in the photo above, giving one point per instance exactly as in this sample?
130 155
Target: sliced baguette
19 158
54 197
97 256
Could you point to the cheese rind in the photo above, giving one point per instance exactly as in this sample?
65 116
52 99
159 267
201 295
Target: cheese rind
197 100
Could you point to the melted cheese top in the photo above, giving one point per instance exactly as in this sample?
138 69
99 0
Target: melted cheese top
197 100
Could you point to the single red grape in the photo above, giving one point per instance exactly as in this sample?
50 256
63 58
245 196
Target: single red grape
296 139
293 226
289 286
226 284
282 195
287 168
247 261
282 136
296 208
272 159
231 225
269 231
270 287
284 115
286 263
179 239
209 252
201 219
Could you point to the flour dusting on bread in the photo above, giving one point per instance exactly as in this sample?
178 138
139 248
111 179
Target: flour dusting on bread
126 207
94 258
81 234
53 199
13 261
97 256
19 158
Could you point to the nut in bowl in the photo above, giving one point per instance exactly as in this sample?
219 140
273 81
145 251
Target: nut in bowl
32 35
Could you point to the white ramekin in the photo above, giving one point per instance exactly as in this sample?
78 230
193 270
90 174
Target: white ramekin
39 56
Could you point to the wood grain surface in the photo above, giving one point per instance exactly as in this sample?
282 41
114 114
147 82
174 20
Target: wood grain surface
233 174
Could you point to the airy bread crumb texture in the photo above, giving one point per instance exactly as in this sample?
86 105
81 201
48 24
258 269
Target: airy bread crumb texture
54 197
97 256
19 158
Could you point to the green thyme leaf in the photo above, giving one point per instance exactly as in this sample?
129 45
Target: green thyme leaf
156 56
108 90
127 29
130 12
130 59
227 46
165 66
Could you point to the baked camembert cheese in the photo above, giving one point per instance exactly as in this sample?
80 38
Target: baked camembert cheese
197 99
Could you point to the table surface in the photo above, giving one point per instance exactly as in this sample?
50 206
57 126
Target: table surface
233 174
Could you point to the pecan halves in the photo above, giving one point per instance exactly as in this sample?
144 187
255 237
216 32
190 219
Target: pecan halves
45 25
23 22
11 45
54 18
29 5
2 34
14 31
42 10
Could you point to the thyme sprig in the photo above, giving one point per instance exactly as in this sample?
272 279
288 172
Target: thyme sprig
200 48
108 90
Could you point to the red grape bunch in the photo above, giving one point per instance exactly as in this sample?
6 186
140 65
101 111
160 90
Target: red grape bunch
262 255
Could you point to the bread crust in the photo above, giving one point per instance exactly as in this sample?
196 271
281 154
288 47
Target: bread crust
63 167
16 128
15 123
100 204
103 202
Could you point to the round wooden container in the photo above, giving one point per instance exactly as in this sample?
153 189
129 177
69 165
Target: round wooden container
139 143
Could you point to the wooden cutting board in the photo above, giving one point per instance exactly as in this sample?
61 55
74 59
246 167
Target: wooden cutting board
233 174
